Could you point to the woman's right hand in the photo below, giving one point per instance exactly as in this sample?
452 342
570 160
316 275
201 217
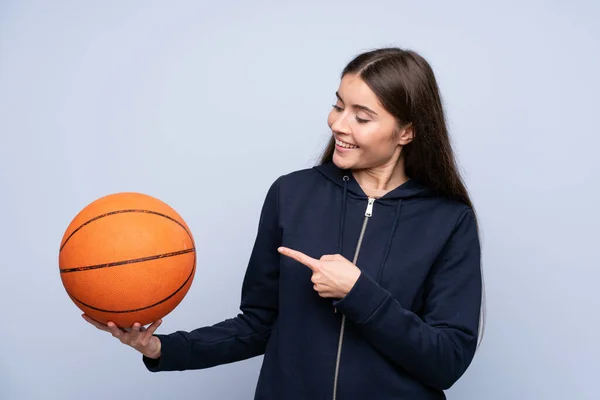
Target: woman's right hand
138 337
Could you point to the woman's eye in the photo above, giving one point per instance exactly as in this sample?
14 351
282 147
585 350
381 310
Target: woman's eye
337 108
361 121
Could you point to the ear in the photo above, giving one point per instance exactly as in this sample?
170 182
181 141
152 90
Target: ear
405 134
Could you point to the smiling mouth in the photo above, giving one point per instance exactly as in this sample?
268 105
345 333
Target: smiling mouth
345 145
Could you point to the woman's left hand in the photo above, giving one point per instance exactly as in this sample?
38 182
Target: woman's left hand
332 275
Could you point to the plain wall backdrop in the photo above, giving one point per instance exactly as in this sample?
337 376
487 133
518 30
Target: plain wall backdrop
204 104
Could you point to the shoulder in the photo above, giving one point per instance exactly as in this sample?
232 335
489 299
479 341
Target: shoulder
454 209
297 180
299 176
292 183
297 191
440 213
461 219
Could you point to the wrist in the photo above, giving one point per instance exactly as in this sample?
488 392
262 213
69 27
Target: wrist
352 284
155 352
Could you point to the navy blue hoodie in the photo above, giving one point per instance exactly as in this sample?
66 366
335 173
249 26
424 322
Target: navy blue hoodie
406 330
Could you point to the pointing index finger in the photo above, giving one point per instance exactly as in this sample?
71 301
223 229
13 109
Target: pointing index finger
300 257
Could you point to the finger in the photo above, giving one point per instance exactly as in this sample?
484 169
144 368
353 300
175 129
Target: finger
115 330
300 257
135 332
333 257
325 294
320 288
97 324
152 328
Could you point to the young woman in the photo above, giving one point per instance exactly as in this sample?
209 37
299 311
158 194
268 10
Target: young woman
364 281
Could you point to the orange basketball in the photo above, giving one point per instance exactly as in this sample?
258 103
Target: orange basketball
127 257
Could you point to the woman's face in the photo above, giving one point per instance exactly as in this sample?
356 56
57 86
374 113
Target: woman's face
366 135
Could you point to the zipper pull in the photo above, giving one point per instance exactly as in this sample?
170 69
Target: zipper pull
369 211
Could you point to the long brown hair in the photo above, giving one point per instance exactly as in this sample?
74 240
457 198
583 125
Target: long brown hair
404 83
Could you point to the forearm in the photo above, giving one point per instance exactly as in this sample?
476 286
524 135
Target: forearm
435 355
232 340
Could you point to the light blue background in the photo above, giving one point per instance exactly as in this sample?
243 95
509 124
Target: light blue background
204 104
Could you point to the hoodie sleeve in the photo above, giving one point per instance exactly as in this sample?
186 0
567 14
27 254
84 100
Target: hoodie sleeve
245 335
438 345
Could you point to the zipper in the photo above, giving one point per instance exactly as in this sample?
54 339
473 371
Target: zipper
368 214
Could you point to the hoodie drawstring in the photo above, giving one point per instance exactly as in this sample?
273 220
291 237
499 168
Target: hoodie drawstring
389 243
390 238
343 214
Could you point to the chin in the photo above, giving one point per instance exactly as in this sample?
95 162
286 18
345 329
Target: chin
341 162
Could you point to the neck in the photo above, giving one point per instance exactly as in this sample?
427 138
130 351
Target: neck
378 181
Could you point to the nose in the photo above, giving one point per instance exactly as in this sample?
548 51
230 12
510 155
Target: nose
339 123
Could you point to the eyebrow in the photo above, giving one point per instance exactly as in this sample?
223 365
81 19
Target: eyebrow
359 106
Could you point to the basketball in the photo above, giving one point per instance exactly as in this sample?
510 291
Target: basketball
127 257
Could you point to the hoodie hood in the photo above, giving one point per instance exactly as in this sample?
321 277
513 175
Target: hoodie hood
344 179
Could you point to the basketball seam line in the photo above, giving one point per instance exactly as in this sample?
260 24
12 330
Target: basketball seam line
127 262
135 210
142 308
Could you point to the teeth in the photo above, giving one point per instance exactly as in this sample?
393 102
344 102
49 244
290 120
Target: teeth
345 145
